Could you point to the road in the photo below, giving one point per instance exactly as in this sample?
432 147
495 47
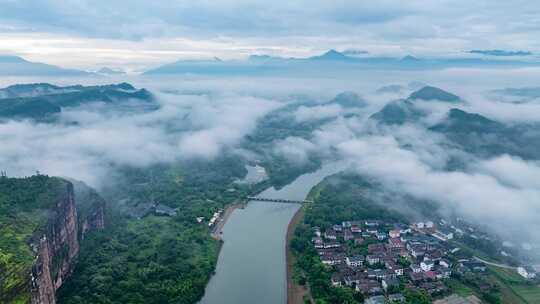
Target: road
495 264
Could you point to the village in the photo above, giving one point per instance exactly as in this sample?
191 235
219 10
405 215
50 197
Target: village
384 260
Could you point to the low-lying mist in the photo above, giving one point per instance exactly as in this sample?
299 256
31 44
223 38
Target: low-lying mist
203 117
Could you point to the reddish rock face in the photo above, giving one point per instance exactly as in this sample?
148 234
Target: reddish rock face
94 221
59 247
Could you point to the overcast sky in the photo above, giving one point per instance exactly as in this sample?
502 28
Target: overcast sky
138 34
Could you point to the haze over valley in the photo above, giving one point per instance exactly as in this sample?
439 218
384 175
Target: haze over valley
130 167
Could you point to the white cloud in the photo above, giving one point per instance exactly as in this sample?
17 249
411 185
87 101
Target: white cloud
185 126
513 171
295 149
119 31
209 115
304 113
476 195
221 122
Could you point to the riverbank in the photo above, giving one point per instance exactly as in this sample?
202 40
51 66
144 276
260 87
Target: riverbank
252 263
295 292
218 228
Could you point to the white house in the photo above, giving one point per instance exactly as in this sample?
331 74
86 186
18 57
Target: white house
395 233
373 259
330 235
354 261
397 269
427 265
445 263
416 268
444 234
527 272
331 259
317 231
331 245
355 229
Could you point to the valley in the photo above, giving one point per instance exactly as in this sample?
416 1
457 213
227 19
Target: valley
272 152
160 226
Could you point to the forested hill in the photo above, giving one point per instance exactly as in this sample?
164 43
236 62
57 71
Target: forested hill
470 132
43 102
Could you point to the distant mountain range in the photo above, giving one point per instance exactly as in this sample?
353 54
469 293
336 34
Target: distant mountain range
517 95
17 66
331 60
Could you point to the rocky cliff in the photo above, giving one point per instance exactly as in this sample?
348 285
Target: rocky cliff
90 207
57 249
56 229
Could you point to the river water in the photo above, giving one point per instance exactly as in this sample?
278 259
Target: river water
251 267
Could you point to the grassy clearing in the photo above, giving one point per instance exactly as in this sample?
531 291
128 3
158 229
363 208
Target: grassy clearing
514 288
460 288
531 293
508 275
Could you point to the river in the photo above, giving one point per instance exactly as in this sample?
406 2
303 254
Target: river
251 267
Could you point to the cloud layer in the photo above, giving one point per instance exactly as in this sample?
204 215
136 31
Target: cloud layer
92 140
150 32
201 118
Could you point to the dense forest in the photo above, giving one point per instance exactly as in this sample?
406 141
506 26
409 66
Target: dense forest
156 259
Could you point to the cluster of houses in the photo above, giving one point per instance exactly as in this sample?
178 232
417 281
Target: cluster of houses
446 231
380 258
213 219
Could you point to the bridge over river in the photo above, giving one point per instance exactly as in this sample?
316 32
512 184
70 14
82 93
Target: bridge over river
278 200
252 264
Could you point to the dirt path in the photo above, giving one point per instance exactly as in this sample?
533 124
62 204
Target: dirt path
295 292
494 264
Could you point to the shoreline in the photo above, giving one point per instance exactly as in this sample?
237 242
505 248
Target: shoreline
218 229
295 292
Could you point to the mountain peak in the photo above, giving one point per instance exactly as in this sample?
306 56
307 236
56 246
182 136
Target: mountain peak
332 55
460 122
434 93
124 86
410 58
349 99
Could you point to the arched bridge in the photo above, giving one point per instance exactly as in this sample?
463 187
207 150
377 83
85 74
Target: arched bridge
277 200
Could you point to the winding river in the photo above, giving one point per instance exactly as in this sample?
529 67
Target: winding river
251 267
